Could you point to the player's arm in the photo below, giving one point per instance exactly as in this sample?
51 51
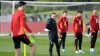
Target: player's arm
67 25
60 24
74 25
48 25
82 26
92 23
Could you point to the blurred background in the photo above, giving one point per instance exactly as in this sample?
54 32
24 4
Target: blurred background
38 12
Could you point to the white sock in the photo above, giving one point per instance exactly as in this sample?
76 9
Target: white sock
63 49
76 51
92 49
80 50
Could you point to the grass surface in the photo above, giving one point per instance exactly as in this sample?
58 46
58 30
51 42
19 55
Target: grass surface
7 49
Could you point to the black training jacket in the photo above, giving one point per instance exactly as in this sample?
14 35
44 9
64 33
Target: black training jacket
51 25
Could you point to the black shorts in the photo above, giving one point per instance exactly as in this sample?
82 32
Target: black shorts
63 34
21 38
79 35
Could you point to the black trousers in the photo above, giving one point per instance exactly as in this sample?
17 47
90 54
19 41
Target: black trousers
63 38
78 41
93 38
88 30
51 44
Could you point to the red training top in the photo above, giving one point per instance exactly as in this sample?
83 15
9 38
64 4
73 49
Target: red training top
94 23
63 24
18 23
77 24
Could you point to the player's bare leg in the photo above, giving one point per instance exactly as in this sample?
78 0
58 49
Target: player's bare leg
17 52
33 48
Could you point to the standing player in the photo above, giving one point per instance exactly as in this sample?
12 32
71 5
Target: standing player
53 34
88 29
62 28
78 31
94 27
18 24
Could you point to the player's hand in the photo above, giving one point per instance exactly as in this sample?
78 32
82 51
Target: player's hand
32 34
11 34
93 31
99 34
46 30
59 30
60 35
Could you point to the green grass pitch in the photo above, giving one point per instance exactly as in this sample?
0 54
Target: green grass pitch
7 49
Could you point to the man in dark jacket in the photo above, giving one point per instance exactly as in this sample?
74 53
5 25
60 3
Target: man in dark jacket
51 27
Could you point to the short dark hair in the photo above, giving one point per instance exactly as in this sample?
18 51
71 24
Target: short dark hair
64 11
22 3
79 11
53 13
94 8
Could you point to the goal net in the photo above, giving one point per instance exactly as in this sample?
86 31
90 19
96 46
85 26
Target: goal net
37 13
